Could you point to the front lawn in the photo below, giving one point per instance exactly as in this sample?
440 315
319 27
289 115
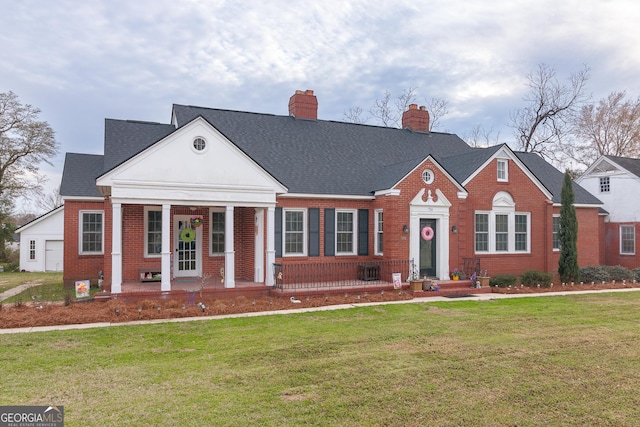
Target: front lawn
552 361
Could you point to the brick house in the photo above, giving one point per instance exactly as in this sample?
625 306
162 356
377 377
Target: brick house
294 190
615 180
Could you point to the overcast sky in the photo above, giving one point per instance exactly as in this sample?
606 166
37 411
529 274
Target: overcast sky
86 60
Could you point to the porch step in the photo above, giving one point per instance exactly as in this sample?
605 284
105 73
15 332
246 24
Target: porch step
452 288
102 296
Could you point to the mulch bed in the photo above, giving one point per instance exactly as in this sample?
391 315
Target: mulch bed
118 311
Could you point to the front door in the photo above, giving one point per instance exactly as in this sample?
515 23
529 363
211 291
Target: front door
427 247
188 243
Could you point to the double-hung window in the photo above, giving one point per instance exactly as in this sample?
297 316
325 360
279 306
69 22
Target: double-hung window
378 231
556 233
502 230
482 232
294 231
91 232
217 232
345 232
153 232
605 184
627 240
503 170
32 250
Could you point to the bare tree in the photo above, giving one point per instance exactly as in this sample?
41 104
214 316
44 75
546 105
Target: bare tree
49 201
354 115
479 137
438 108
388 112
25 142
610 127
542 125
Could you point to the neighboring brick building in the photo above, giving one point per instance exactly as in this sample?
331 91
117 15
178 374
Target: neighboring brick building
295 189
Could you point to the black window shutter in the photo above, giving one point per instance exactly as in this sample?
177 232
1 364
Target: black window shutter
314 231
277 227
329 232
363 232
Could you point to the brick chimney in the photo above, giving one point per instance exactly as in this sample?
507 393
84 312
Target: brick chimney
304 105
416 119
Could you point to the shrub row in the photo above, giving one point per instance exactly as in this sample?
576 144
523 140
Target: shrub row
598 273
608 273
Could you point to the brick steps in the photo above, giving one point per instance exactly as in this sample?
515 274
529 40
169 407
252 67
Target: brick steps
452 288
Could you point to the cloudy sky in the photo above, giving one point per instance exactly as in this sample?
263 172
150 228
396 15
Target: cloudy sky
83 61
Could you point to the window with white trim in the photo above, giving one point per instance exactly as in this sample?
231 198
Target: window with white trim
217 232
627 240
605 184
91 232
378 231
482 232
502 230
153 231
503 170
556 233
32 250
345 232
294 232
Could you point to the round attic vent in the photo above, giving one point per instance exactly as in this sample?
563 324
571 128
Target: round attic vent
199 144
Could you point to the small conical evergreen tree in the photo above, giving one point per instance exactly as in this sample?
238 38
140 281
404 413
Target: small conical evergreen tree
568 234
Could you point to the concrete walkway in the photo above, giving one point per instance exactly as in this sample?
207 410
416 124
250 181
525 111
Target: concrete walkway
473 297
15 291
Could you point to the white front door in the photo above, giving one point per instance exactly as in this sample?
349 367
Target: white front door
187 258
54 252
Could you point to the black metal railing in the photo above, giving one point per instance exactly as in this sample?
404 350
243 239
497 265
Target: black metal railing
337 275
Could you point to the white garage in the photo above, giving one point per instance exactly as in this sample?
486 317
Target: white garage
53 255
42 242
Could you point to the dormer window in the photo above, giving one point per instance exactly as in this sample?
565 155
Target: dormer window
503 170
604 184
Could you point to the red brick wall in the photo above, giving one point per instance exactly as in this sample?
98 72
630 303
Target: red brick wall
79 267
482 189
612 243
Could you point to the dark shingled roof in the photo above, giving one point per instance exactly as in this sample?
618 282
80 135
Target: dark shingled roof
80 173
307 156
125 138
461 166
351 156
632 165
552 179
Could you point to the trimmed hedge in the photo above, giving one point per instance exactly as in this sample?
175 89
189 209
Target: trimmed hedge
535 278
503 280
607 273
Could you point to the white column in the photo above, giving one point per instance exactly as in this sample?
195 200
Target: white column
229 253
271 246
258 259
116 248
165 284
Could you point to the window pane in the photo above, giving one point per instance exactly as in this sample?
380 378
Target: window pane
502 232
482 232
92 232
521 232
344 232
556 230
379 231
217 232
627 239
294 232
154 232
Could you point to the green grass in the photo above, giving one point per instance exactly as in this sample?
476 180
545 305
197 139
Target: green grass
552 361
49 289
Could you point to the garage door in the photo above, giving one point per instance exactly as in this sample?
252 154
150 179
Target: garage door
54 250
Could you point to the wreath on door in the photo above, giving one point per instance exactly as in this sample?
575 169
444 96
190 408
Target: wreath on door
188 235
